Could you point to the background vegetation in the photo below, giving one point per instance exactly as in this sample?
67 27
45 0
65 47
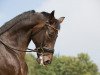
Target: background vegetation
63 65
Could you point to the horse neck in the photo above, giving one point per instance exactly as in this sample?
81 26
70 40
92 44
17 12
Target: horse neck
18 36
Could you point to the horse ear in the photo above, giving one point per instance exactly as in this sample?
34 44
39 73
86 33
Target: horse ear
52 14
61 19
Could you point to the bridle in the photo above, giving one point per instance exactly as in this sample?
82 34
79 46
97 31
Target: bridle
28 49
43 49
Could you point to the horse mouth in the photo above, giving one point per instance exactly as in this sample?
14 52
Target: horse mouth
41 61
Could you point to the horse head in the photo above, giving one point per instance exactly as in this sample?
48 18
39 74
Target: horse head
44 36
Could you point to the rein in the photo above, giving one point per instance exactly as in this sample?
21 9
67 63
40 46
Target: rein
28 49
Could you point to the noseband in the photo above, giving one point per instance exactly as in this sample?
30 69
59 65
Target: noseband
43 49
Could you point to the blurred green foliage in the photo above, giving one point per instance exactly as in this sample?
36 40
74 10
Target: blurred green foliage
63 65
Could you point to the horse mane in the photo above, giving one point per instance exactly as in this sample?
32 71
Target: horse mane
15 20
45 14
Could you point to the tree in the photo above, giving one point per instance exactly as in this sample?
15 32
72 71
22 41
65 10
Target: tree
87 65
63 65
30 59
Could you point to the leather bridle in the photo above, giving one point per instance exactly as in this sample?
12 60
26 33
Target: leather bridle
43 49
36 49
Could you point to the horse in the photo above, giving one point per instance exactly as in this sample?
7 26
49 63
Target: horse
15 35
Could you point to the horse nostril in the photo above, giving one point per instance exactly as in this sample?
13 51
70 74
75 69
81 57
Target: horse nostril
47 62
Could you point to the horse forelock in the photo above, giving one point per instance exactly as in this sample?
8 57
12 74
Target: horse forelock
54 20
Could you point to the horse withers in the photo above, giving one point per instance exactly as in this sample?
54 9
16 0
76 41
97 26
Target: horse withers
16 34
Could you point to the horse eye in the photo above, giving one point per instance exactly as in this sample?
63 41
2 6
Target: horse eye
51 35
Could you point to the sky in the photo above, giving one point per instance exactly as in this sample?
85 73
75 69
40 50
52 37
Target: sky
80 31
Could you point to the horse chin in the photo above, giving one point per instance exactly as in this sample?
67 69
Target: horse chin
40 60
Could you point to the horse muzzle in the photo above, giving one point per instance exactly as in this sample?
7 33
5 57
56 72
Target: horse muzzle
44 60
